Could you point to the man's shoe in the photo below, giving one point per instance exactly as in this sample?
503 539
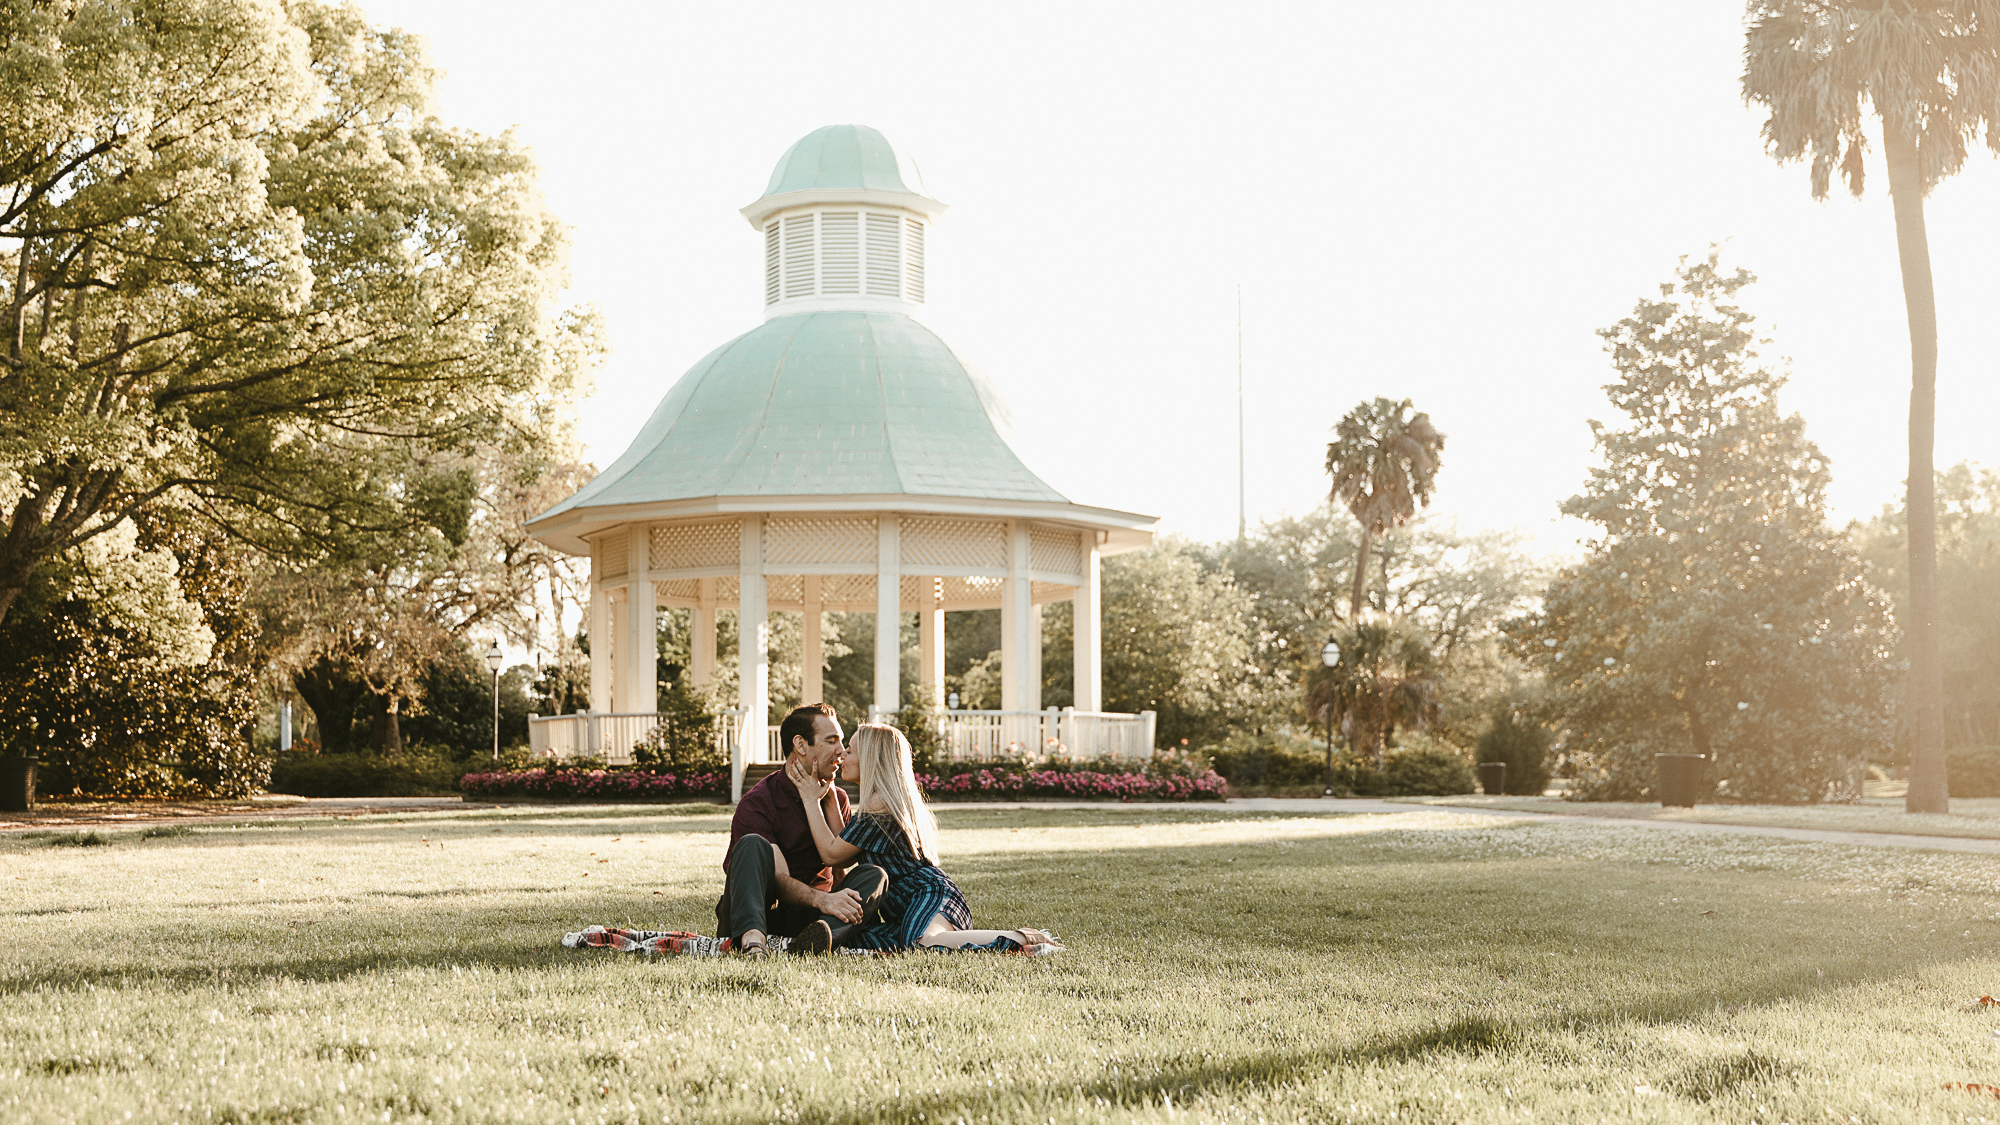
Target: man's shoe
815 938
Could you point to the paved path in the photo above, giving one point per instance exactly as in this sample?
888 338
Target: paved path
335 807
181 812
1365 805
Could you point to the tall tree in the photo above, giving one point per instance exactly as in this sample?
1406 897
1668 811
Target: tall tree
1715 613
1930 70
1384 465
253 275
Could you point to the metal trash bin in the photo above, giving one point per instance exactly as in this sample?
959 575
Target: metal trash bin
1680 779
1493 778
17 784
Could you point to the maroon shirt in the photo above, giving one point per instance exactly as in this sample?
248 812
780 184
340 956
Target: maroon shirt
773 809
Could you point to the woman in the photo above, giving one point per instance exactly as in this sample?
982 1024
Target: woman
894 829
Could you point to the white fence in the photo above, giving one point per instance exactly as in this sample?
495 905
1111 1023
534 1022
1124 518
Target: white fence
972 736
612 735
962 736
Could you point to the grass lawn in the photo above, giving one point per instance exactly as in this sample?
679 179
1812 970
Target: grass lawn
1973 818
1224 965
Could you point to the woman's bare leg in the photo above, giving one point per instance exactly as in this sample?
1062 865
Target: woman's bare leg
940 935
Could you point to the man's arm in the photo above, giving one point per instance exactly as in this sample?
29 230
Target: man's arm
843 904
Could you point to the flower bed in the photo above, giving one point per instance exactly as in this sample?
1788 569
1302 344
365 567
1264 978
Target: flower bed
1079 785
605 785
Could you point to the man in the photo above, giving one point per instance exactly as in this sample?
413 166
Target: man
774 881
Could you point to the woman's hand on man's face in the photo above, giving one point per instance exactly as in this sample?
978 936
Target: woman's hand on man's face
811 788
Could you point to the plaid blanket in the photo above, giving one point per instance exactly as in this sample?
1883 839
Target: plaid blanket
686 943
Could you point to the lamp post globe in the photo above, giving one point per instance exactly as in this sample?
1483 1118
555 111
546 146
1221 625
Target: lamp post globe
495 658
1329 655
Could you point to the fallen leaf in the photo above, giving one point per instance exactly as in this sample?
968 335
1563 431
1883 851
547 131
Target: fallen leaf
659 892
1974 1088
1705 913
1987 1002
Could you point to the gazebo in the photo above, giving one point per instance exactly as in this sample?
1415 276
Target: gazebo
839 457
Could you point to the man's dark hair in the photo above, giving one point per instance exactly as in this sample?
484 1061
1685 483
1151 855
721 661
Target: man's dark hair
800 723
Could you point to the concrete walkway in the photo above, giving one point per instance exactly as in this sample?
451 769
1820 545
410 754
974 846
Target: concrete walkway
114 816
1366 805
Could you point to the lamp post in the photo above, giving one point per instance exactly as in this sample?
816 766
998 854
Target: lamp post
1329 655
494 658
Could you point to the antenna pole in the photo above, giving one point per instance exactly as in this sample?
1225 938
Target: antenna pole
1242 517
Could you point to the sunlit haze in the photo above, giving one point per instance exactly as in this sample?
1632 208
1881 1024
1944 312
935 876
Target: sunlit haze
1443 208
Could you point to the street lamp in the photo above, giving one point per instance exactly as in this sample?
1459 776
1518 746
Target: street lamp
1329 655
494 658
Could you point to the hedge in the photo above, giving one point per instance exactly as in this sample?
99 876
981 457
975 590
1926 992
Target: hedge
595 784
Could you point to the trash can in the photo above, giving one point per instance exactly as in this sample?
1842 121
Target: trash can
17 784
1493 778
1680 779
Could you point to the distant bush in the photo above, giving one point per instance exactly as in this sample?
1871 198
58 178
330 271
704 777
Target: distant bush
1425 767
1523 745
415 772
568 783
1973 771
1270 761
684 741
77 840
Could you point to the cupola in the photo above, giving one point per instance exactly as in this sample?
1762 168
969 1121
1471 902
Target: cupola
844 220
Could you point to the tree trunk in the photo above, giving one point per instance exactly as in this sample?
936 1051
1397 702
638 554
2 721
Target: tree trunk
333 698
1929 789
388 725
1360 578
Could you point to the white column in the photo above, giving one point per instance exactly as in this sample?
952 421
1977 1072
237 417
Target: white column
813 689
930 647
1014 640
1033 702
888 614
1089 633
702 624
638 657
601 642
753 653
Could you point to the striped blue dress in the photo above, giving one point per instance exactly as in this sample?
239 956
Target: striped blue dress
918 890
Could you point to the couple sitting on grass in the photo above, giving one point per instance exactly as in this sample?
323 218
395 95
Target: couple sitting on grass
795 833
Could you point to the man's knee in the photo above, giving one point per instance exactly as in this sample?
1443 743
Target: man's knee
756 850
866 880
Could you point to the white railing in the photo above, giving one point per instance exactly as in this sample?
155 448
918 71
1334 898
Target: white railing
612 735
972 736
962 736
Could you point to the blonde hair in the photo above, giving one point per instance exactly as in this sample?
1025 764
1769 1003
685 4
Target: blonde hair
884 757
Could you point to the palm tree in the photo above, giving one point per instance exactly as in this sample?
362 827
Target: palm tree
1387 677
1384 466
1930 71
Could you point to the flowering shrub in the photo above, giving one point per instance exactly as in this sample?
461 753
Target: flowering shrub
608 785
1077 784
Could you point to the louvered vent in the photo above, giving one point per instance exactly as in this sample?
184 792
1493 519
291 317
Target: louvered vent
840 252
885 273
771 262
798 256
913 241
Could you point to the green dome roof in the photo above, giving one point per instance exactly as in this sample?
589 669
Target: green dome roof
840 157
821 404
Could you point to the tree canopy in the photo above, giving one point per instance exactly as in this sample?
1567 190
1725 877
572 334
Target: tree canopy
1717 613
1384 465
254 277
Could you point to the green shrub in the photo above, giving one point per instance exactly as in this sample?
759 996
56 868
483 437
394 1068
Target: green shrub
1523 745
1269 761
1425 767
685 740
1973 771
919 723
415 772
77 840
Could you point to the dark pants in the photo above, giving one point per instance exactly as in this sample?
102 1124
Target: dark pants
750 895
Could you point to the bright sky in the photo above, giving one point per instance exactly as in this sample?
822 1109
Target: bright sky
1441 207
